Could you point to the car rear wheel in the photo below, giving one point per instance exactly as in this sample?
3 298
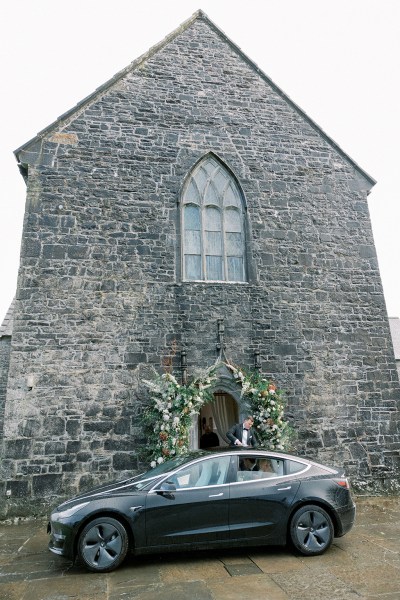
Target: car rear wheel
103 544
311 530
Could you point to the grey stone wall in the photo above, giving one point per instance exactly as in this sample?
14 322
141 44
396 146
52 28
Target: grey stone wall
100 297
5 347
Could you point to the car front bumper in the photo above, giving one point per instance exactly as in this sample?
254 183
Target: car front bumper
61 539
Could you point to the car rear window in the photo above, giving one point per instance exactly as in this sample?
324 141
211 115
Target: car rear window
294 466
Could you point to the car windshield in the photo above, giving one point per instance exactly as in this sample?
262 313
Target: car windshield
170 465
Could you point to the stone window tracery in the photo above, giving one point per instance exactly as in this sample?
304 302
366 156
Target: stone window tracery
213 238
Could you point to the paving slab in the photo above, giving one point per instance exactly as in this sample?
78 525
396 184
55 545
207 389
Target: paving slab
135 572
192 590
241 569
323 586
278 560
254 587
378 579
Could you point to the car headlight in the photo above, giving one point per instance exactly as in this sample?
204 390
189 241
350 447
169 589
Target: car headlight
68 512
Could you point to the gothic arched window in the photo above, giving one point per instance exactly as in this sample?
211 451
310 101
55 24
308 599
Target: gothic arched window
212 225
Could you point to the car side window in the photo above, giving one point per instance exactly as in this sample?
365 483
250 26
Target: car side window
252 468
265 468
212 471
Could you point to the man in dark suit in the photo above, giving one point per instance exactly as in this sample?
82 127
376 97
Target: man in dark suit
242 434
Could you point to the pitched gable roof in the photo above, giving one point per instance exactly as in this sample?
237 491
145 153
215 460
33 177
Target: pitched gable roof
32 144
7 326
394 323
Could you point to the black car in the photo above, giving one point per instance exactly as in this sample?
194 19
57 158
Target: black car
206 500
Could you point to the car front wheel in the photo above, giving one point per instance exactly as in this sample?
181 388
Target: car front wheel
103 544
311 530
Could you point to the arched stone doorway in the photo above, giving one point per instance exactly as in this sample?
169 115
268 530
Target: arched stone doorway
217 417
226 410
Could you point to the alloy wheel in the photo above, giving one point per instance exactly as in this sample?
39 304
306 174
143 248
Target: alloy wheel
103 544
311 530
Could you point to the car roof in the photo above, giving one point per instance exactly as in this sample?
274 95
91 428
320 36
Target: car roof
246 450
263 451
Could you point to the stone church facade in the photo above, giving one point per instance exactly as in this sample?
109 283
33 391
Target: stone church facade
186 196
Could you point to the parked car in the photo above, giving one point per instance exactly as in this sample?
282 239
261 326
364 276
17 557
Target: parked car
206 499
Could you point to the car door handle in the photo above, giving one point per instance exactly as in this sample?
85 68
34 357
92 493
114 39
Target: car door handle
216 495
285 488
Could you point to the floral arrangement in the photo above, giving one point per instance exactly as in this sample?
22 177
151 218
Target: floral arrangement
169 416
266 404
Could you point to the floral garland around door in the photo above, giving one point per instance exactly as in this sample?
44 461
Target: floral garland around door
169 416
266 403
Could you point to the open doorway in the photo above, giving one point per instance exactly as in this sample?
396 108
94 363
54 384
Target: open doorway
216 418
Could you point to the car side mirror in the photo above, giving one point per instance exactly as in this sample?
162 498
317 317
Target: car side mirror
167 486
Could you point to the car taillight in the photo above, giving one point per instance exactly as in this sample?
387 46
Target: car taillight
344 483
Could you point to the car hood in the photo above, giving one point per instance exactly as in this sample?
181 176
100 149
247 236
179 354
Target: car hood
114 488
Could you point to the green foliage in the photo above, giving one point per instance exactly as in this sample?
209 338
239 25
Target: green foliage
170 414
266 403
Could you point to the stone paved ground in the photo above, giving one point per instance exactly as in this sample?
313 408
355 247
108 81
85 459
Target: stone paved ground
364 565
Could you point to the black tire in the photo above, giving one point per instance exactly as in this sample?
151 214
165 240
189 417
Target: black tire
311 530
103 544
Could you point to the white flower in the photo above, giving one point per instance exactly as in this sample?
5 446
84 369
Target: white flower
160 460
166 417
272 392
272 402
169 405
153 464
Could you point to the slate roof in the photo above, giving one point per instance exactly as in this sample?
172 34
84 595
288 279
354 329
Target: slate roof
69 115
394 323
7 326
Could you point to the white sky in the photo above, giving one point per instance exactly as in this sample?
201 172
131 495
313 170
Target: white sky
339 60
